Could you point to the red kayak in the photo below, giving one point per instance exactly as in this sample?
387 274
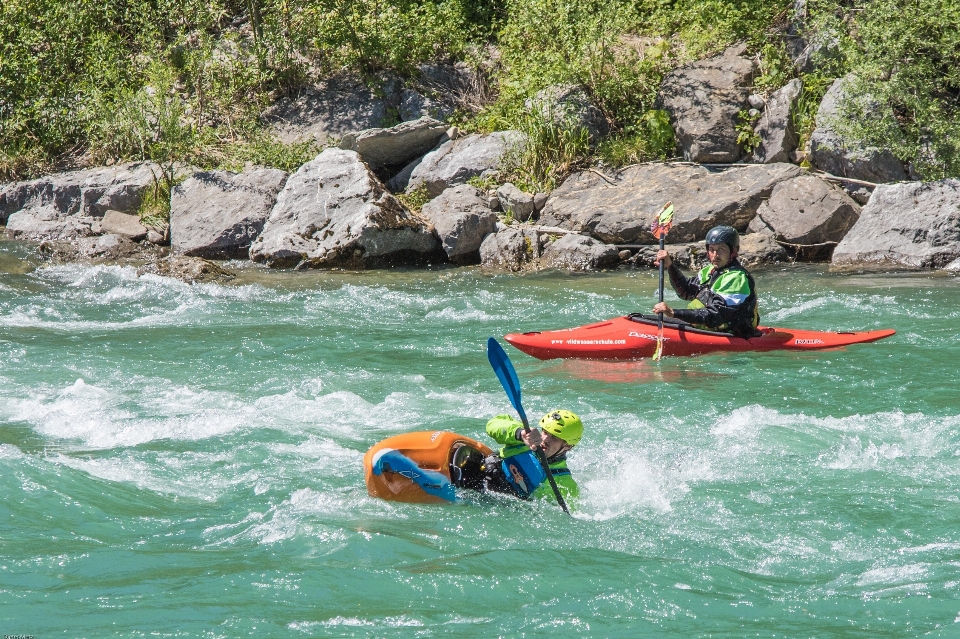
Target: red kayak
634 336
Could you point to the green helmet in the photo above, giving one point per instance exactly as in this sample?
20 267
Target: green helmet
564 425
724 235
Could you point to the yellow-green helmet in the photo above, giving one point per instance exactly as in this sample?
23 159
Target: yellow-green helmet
564 425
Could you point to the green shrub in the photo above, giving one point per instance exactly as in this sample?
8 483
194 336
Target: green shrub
551 152
905 95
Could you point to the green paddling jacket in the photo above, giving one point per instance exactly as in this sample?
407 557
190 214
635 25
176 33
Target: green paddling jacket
505 430
723 299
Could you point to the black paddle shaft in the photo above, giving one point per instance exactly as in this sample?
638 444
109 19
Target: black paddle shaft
660 315
542 456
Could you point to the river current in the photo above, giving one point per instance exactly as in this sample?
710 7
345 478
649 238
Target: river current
186 460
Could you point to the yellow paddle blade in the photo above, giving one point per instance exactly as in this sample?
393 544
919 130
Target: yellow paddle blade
666 214
658 353
661 226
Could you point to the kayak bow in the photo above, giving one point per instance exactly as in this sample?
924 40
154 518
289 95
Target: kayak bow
634 336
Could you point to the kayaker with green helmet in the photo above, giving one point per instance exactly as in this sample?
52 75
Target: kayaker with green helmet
515 468
722 295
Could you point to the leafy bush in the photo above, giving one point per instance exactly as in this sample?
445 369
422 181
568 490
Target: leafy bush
910 69
551 152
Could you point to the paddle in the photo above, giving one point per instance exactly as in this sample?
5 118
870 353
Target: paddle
661 226
511 384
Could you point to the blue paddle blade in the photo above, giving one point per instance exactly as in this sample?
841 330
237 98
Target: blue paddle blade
506 374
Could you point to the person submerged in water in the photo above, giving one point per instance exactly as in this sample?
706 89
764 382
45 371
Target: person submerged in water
515 469
723 294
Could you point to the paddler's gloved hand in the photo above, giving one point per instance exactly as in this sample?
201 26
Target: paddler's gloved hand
532 438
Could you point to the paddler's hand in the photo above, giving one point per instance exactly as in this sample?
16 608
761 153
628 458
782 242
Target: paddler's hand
662 307
663 255
532 439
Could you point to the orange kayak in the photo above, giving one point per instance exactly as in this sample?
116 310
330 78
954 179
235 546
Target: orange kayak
635 336
420 467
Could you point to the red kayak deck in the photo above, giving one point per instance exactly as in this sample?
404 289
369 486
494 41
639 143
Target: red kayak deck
635 336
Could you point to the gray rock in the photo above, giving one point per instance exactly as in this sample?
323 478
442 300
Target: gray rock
830 153
569 107
540 201
186 269
456 161
807 210
760 248
462 219
703 100
506 249
580 253
123 224
334 212
397 145
331 109
910 226
68 205
514 201
414 106
217 214
778 136
703 197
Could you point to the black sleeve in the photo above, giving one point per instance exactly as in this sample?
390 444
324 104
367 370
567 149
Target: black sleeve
686 288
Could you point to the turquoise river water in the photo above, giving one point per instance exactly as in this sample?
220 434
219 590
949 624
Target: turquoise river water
186 461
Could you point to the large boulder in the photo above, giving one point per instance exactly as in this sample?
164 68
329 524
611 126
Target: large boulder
69 205
397 145
832 154
703 99
914 225
579 253
568 106
511 248
440 89
217 214
461 218
778 136
806 210
334 212
456 161
515 202
124 225
331 109
621 213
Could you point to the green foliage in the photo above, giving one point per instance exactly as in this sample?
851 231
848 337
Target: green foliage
547 42
372 35
708 26
415 199
551 152
184 81
906 92
652 139
747 137
776 68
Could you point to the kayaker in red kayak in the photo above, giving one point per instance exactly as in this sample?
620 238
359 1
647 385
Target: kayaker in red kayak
723 295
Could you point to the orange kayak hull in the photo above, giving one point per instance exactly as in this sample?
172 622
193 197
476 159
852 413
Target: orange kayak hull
431 450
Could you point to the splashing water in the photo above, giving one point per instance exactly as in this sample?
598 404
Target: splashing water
187 460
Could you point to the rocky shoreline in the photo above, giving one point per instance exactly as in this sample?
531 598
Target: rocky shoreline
852 207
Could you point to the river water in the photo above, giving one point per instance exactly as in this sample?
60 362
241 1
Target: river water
186 461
